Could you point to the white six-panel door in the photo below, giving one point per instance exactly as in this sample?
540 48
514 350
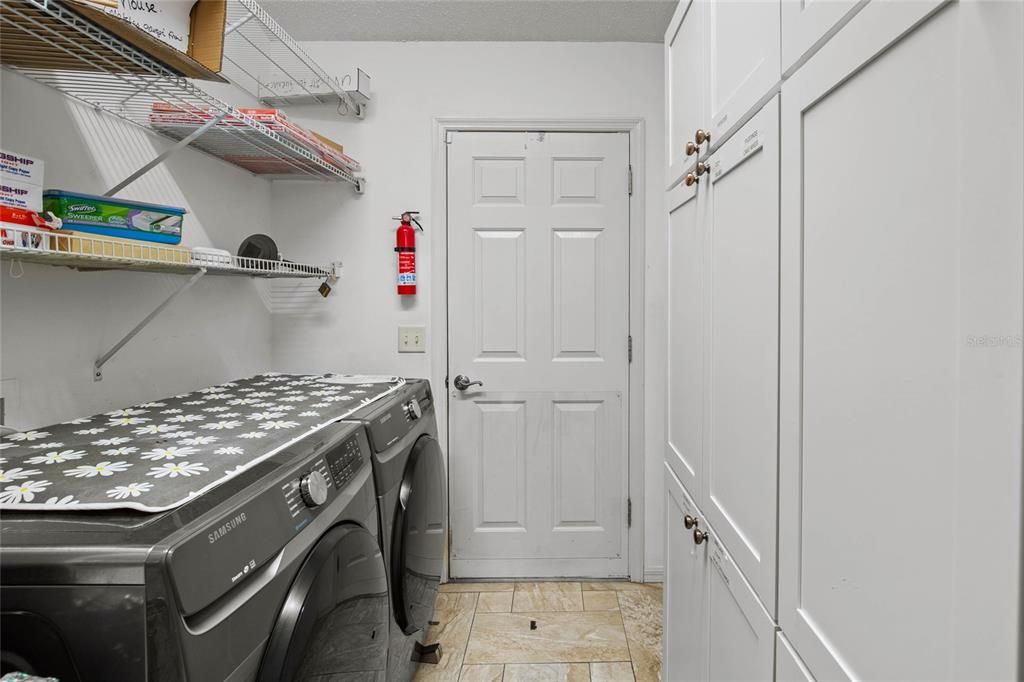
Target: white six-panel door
900 433
538 311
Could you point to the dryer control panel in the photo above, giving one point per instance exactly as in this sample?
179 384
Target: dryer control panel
246 531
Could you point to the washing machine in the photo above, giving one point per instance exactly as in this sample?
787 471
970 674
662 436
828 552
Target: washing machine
277 574
408 471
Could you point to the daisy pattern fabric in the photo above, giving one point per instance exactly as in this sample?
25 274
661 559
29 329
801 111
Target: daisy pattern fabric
158 455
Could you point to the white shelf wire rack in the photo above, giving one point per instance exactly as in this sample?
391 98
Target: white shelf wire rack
262 59
84 251
94 67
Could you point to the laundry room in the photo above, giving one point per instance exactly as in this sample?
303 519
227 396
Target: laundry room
511 340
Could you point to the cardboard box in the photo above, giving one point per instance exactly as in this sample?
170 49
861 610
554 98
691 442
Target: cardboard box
20 168
329 142
21 195
204 56
69 241
169 21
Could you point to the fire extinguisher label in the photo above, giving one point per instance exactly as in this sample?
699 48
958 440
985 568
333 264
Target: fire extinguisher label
407 278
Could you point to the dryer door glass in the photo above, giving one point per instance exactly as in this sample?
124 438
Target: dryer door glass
334 621
417 539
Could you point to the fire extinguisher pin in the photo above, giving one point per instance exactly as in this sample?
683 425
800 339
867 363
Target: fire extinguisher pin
410 216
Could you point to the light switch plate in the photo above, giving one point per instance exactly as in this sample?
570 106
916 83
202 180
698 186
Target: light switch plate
412 339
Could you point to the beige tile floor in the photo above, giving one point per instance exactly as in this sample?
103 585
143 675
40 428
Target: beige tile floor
547 632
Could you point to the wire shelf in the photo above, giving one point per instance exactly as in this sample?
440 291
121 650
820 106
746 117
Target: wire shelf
262 59
61 49
86 252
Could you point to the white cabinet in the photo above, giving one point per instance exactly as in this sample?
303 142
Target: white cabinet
740 455
684 638
743 65
788 666
808 24
722 61
723 339
715 627
684 89
900 430
685 398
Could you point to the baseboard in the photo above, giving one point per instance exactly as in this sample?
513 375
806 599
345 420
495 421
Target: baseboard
655 574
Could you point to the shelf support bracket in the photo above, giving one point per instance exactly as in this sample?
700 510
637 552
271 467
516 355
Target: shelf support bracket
102 360
163 156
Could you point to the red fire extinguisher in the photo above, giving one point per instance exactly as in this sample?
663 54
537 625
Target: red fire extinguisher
405 247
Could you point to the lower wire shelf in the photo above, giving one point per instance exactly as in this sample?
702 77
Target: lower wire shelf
83 252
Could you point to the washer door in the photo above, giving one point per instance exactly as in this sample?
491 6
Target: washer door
417 537
335 617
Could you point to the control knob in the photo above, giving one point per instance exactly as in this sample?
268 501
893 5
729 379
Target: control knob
413 410
313 489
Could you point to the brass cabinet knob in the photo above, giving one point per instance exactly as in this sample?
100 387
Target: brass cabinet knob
702 168
699 536
701 136
691 179
689 522
691 148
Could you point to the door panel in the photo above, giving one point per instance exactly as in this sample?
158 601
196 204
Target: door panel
538 311
886 408
741 634
741 448
685 399
684 78
743 39
684 639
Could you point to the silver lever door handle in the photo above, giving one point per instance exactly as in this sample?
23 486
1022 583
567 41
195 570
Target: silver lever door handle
462 382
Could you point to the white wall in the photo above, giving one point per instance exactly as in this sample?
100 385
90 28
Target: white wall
414 83
54 322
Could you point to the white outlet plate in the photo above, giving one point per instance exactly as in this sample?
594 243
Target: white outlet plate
412 339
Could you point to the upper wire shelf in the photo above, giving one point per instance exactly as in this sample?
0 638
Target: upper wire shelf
61 49
262 59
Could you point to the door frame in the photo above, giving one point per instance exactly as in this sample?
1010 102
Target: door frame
438 279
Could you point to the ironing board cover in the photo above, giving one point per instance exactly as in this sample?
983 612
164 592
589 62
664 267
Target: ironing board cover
156 456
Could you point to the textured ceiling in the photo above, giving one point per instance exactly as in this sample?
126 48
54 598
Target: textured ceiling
443 20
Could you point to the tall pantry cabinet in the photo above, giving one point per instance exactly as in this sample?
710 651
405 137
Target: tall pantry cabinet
844 425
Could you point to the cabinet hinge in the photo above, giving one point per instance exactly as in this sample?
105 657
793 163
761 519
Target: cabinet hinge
629 347
629 180
629 513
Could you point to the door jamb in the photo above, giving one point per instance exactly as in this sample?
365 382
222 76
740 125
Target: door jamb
438 282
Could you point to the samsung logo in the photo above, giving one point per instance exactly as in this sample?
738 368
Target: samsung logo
226 528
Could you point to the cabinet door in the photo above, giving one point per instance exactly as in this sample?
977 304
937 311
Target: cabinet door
743 64
788 666
807 24
685 590
900 409
685 399
741 634
684 84
742 283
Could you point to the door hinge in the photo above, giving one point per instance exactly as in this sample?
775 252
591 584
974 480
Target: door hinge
629 175
446 382
629 347
448 136
629 512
